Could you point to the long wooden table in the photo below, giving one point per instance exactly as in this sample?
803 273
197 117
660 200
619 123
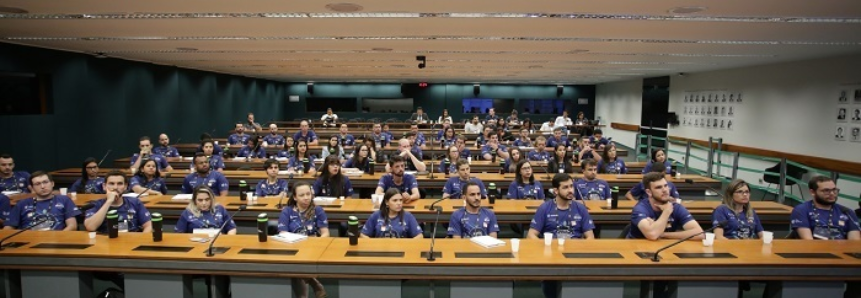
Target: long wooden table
376 267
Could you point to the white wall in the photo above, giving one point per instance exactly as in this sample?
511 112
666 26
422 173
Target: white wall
620 102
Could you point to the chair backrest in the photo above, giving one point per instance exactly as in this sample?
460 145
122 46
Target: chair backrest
625 231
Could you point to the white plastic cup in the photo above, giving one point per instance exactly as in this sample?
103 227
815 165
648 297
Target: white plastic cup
469 160
64 191
74 195
548 239
679 201
560 240
341 198
678 175
708 243
767 237
92 235
609 203
515 245
250 196
376 200
710 237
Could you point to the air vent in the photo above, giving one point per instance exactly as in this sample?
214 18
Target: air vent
344 7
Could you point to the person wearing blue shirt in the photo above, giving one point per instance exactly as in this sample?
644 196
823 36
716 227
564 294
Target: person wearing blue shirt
361 159
659 158
442 131
148 178
252 149
165 149
332 183
658 217
822 218
539 153
204 212
379 138
585 150
304 134
204 176
392 221
5 208
346 139
239 137
289 148
397 179
590 187
420 137
524 185
133 216
472 220
216 162
146 153
11 181
297 162
741 220
387 132
448 137
449 163
216 149
610 162
460 143
90 182
45 211
412 161
454 185
598 139
515 156
302 216
272 185
482 139
273 139
638 192
491 117
523 140
494 148
557 139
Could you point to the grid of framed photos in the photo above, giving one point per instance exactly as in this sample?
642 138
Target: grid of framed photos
848 126
711 109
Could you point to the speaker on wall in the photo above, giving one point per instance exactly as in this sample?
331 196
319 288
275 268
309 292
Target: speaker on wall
476 89
310 88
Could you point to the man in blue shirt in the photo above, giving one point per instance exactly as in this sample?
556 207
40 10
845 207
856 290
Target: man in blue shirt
491 117
460 143
472 220
822 218
11 181
454 185
482 139
304 134
493 147
590 187
411 161
562 216
638 192
5 208
345 138
165 149
133 216
557 139
204 176
379 138
539 154
146 153
658 217
406 184
273 139
598 139
420 137
45 211
239 137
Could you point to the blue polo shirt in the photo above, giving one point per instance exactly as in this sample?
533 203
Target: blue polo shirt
347 140
326 190
160 160
454 187
156 184
379 226
214 180
292 221
364 166
166 151
96 185
468 225
265 189
309 137
536 155
517 191
824 224
591 190
132 212
246 151
552 142
187 222
569 223
738 226
644 210
18 182
648 167
238 139
452 166
296 163
639 192
5 207
465 153
408 183
486 149
56 210
271 139
614 167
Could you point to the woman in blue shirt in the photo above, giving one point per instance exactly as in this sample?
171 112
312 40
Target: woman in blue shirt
289 147
659 158
448 137
741 220
515 156
333 183
297 162
216 162
203 212
391 221
524 185
90 182
610 163
148 177
361 159
302 216
449 163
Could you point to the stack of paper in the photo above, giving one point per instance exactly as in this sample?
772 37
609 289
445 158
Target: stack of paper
352 172
182 197
135 195
487 241
324 200
11 192
282 159
288 237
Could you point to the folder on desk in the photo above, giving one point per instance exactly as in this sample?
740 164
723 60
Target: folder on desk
182 197
487 241
288 237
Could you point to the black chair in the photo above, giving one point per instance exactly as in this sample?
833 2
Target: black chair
793 171
625 231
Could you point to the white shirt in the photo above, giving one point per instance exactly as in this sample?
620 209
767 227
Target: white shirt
441 119
562 121
546 127
473 128
334 117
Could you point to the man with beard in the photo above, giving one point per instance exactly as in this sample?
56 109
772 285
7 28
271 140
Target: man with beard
10 180
215 180
238 138
494 148
821 218
55 212
146 153
420 137
474 126
406 184
273 139
165 149
380 139
454 185
412 158
658 216
590 187
133 216
250 125
472 220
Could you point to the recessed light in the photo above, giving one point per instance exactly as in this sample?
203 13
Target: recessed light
7 9
344 7
686 9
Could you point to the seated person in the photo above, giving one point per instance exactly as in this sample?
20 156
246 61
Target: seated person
561 161
45 211
216 149
484 137
302 216
557 139
272 185
346 139
273 139
586 151
449 163
204 212
329 119
510 164
90 182
493 147
822 218
460 143
133 216
658 217
379 138
289 148
406 184
472 220
333 147
5 208
331 182
610 162
146 153
204 176
523 140
524 185
252 149
599 140
540 153
575 221
419 136
361 159
304 134
412 162
741 220
392 221
659 158
547 127
473 127
303 161
448 137
216 162
165 149
239 137
148 179
454 185
638 192
11 181
590 187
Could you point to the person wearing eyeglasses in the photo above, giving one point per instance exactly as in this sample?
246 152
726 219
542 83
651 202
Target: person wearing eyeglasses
302 216
204 212
822 218
741 220
90 182
52 212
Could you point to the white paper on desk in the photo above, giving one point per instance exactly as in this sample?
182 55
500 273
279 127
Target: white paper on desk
282 159
322 199
135 195
487 241
205 231
288 237
283 172
410 172
238 158
188 158
11 192
182 197
527 148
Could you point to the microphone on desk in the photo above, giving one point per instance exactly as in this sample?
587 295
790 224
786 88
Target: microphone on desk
283 194
106 156
35 224
691 181
432 205
431 257
656 258
546 171
209 252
